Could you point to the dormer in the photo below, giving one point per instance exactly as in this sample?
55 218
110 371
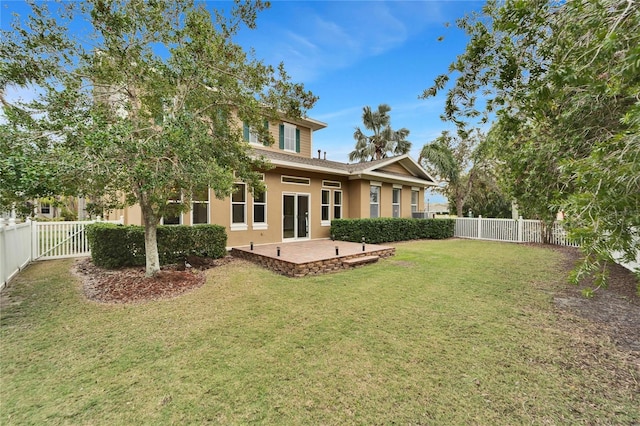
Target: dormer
293 137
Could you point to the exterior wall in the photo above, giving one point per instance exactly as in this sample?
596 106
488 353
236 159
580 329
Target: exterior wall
355 204
359 199
221 213
305 140
360 206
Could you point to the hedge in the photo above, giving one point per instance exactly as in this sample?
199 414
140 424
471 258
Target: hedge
115 246
385 230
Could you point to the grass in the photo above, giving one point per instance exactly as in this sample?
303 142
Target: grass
445 332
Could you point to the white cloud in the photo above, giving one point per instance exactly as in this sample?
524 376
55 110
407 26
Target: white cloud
334 35
345 112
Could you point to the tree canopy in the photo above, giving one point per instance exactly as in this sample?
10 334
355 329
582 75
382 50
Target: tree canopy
456 161
137 101
384 139
561 81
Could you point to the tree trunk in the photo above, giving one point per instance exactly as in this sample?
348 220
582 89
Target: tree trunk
150 222
151 248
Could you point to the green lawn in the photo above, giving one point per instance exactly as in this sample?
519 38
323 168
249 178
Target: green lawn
445 332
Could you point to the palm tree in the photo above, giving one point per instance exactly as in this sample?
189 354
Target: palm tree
441 158
384 138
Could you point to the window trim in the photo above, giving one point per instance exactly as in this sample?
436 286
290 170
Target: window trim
239 226
395 191
331 184
327 221
180 215
259 225
377 204
414 207
291 129
337 205
208 203
307 181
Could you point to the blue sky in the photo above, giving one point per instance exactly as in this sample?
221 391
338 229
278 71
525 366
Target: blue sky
356 53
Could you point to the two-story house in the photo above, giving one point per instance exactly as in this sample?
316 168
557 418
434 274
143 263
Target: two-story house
305 192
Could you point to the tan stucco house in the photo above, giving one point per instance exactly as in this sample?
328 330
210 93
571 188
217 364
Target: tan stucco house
305 192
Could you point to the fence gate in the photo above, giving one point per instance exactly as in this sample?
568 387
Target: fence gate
57 240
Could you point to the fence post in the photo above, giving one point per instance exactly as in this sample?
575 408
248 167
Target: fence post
35 239
520 225
122 220
479 226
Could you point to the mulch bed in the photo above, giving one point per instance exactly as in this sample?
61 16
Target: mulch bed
129 285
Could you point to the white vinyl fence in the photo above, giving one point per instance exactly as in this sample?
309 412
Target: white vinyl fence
21 244
522 231
509 230
15 250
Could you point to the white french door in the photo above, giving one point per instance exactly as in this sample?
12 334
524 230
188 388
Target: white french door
295 216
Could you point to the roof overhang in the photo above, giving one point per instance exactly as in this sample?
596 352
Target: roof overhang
307 167
420 174
309 122
398 179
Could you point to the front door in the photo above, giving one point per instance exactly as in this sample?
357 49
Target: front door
295 216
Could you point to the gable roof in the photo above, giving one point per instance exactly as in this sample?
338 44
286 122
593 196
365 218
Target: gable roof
370 170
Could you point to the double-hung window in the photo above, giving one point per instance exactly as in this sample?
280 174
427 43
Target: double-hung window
325 207
260 210
395 202
239 207
200 207
251 135
172 214
337 204
374 201
414 200
327 199
289 137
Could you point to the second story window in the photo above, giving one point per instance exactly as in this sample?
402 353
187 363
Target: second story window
289 137
251 135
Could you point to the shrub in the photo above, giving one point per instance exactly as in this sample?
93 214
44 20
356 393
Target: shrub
115 246
384 230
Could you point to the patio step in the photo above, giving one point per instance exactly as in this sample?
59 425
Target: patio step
360 260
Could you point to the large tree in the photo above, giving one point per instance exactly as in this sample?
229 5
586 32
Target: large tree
384 139
139 100
561 80
451 159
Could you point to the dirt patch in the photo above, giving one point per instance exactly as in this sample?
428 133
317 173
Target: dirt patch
614 311
129 285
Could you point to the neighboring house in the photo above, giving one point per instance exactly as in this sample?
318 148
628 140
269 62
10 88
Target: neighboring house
60 208
304 193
